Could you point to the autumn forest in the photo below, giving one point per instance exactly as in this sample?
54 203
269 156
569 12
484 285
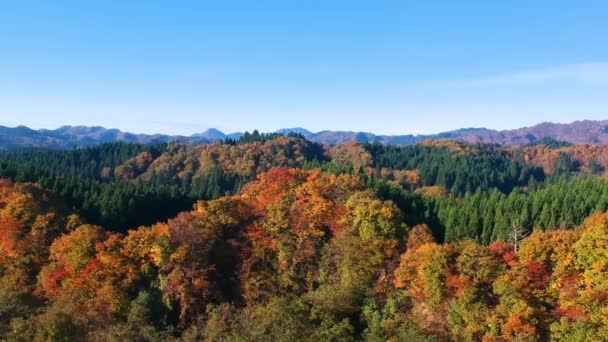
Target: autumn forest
278 238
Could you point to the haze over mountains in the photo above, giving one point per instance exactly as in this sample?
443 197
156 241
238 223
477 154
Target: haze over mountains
578 132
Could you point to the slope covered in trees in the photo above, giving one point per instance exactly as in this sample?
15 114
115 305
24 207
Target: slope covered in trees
296 255
278 238
457 167
123 186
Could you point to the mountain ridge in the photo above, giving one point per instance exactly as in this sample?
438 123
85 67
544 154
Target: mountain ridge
577 132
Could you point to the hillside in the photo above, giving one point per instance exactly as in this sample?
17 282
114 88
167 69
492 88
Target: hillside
335 256
67 137
440 240
578 132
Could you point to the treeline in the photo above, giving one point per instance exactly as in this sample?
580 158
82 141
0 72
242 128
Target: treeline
489 216
121 186
469 169
550 143
88 162
256 136
78 177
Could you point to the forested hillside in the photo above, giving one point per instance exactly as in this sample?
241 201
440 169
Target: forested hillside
274 237
123 186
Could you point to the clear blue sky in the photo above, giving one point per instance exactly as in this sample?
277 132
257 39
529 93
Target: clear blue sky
389 67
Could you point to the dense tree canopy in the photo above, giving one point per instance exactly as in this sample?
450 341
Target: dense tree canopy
123 186
277 238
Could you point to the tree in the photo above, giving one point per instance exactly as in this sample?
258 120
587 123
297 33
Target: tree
518 234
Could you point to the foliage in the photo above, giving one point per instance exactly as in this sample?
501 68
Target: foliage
276 238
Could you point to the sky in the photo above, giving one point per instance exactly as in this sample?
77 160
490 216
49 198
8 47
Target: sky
388 67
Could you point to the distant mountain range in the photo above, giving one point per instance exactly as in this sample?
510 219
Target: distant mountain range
578 132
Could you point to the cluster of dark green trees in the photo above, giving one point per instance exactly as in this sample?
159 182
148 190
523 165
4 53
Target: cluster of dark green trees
493 215
481 169
93 180
336 244
77 176
491 191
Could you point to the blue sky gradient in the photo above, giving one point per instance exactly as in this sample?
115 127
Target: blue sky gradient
390 67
